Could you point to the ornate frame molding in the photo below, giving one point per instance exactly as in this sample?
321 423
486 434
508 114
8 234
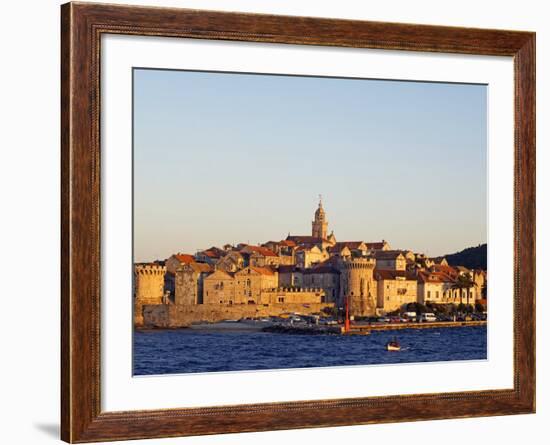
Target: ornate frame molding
82 25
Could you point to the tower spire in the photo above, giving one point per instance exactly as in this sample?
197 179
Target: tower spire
320 224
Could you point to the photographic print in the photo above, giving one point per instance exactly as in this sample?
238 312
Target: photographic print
285 221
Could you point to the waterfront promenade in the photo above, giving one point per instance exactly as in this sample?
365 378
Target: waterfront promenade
365 328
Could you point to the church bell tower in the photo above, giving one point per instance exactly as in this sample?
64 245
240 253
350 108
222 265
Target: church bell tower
319 226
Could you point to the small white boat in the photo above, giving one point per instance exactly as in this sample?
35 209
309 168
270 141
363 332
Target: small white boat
393 346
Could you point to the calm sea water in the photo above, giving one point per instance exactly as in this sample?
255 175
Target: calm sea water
211 350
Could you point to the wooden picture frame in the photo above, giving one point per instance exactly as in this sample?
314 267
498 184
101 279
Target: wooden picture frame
81 27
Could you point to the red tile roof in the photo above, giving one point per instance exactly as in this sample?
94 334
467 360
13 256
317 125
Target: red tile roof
434 277
262 270
201 267
288 243
184 258
448 270
259 249
213 252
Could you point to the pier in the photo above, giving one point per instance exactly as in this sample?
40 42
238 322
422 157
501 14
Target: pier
364 329
426 325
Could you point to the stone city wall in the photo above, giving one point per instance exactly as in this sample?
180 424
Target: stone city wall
176 316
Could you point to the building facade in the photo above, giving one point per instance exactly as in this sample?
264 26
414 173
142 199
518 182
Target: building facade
219 288
390 260
251 281
394 289
189 283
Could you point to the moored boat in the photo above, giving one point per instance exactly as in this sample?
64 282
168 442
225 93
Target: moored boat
393 345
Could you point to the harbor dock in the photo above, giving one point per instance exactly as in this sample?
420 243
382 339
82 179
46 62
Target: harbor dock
364 329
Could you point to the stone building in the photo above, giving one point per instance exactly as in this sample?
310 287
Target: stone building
231 262
325 276
219 288
285 295
441 261
178 260
284 249
251 281
439 287
339 251
357 284
210 256
394 289
311 241
390 260
148 288
290 276
309 256
259 256
348 248
378 245
480 279
189 283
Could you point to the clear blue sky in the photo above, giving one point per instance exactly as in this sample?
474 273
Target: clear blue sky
235 158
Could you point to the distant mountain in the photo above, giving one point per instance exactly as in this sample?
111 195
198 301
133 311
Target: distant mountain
472 257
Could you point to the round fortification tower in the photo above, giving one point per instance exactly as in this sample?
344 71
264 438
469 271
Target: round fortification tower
148 288
359 286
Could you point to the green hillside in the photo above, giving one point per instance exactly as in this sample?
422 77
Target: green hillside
471 257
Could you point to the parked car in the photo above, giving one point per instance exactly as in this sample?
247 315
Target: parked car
428 317
328 321
383 319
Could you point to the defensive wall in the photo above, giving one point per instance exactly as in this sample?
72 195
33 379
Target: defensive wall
178 316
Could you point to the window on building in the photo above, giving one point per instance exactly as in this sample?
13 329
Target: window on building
429 294
281 299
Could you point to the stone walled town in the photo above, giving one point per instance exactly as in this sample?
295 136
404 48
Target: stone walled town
303 274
